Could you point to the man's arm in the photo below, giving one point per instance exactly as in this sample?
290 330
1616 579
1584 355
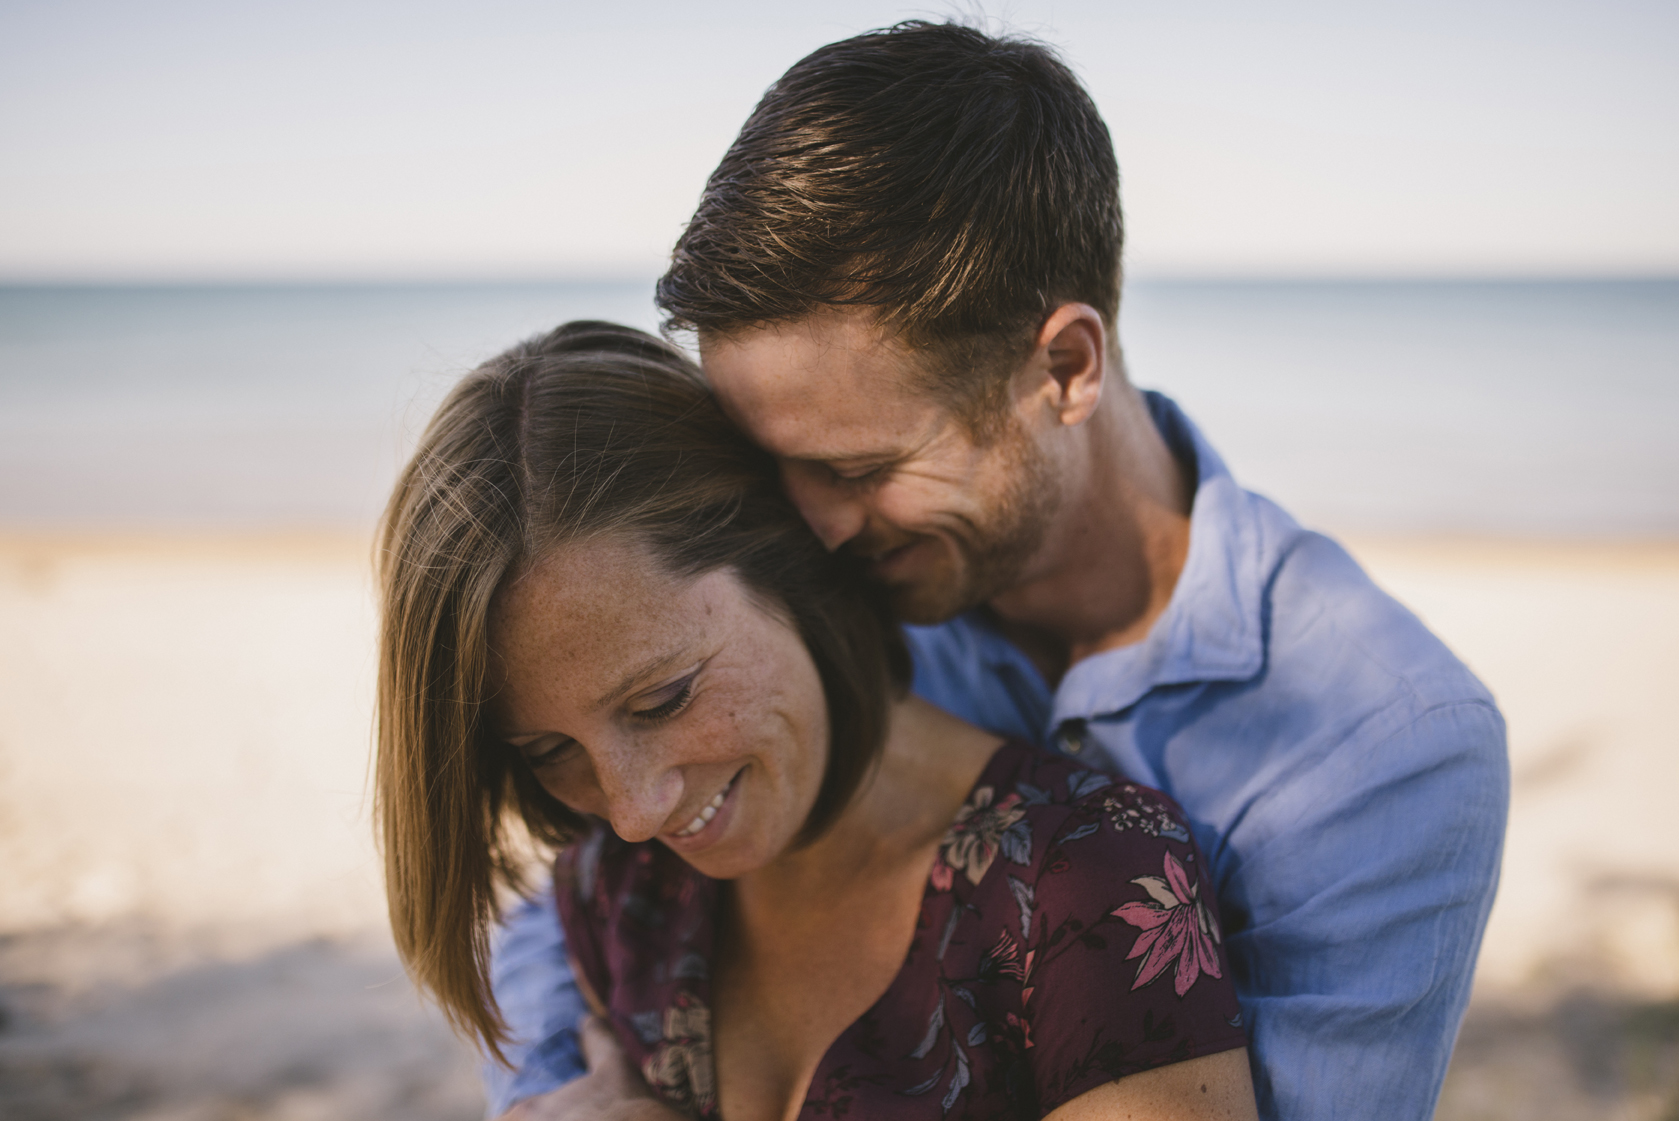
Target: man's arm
1368 897
540 1001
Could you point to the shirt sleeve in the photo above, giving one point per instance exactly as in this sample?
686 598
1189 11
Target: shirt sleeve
1124 967
539 999
1367 902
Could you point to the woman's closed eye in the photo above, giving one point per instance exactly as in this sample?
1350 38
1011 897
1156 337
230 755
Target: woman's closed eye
667 702
549 755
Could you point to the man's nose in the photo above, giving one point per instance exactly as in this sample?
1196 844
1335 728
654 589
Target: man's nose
640 791
832 514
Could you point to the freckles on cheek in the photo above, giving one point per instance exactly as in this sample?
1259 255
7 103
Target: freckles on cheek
721 737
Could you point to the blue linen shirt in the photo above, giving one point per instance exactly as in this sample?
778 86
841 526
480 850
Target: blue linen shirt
1344 772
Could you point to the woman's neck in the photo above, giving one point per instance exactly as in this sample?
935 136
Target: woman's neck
928 764
809 943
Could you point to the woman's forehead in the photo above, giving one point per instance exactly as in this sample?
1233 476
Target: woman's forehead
589 615
595 572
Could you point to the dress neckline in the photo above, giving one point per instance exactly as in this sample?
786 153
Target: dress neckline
686 1025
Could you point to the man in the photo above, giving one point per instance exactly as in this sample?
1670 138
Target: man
904 280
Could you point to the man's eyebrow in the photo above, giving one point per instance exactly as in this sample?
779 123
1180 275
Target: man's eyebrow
638 675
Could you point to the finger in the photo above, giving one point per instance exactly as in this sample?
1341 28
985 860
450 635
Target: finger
600 1046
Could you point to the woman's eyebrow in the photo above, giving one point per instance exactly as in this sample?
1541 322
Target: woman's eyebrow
636 676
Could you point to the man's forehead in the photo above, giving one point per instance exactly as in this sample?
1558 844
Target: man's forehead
830 386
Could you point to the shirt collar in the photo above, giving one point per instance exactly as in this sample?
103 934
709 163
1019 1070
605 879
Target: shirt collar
1213 627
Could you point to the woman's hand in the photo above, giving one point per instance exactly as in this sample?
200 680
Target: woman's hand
612 1090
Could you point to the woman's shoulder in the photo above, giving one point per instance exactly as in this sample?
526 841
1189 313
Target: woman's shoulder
1084 923
1029 802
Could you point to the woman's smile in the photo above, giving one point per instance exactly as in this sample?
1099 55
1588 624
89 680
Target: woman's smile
709 825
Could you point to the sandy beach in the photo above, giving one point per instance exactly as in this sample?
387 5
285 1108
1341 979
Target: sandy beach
191 924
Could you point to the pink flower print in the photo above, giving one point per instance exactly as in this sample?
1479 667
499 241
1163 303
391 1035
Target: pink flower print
1003 959
1177 928
970 844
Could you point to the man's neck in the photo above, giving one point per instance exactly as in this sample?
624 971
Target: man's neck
1113 554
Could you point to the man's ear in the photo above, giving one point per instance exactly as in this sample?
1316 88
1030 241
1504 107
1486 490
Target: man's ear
1072 359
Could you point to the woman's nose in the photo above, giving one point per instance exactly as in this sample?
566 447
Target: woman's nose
641 792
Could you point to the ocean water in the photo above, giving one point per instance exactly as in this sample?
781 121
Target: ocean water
1534 408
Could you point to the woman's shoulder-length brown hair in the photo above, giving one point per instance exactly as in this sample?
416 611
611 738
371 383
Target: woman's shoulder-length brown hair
591 429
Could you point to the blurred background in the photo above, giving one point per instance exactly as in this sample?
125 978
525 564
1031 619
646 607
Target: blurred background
1414 267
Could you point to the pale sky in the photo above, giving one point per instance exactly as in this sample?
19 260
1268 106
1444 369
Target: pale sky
189 140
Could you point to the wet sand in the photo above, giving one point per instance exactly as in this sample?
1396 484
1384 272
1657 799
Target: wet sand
190 918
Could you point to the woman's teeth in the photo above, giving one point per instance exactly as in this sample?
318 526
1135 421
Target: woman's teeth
704 817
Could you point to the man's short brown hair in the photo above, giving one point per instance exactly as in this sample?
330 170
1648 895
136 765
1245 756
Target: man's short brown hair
957 185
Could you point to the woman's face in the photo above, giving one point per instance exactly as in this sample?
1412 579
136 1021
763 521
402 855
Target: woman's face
674 708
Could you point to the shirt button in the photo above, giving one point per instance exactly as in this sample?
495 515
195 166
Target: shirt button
1071 737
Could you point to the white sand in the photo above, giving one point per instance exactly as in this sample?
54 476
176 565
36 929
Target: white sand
184 733
191 925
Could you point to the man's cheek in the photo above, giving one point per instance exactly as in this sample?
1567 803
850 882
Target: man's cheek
911 508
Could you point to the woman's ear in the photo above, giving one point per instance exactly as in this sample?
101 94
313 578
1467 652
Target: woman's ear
1070 362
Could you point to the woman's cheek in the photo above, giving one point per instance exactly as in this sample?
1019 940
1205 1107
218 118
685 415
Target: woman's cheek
720 733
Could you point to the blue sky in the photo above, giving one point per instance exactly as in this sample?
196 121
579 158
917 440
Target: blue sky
181 139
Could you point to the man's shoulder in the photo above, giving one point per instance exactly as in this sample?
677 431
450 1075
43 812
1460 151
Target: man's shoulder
1328 622
1355 693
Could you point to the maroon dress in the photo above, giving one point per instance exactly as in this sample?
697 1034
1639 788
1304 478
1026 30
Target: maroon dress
1068 936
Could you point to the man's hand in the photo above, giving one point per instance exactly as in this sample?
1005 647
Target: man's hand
611 1091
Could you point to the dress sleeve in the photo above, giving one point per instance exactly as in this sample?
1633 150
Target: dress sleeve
1124 963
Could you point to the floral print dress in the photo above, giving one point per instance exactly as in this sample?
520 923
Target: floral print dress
1067 937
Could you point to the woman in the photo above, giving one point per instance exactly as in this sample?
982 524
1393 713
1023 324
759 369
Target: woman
791 889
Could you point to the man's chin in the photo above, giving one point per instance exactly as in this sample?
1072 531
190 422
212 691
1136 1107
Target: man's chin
926 604
930 582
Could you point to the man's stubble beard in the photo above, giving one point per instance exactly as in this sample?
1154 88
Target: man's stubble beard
998 545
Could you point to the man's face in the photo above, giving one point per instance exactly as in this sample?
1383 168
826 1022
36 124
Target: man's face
879 468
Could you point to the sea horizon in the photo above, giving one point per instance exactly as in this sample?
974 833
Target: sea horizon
1532 406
